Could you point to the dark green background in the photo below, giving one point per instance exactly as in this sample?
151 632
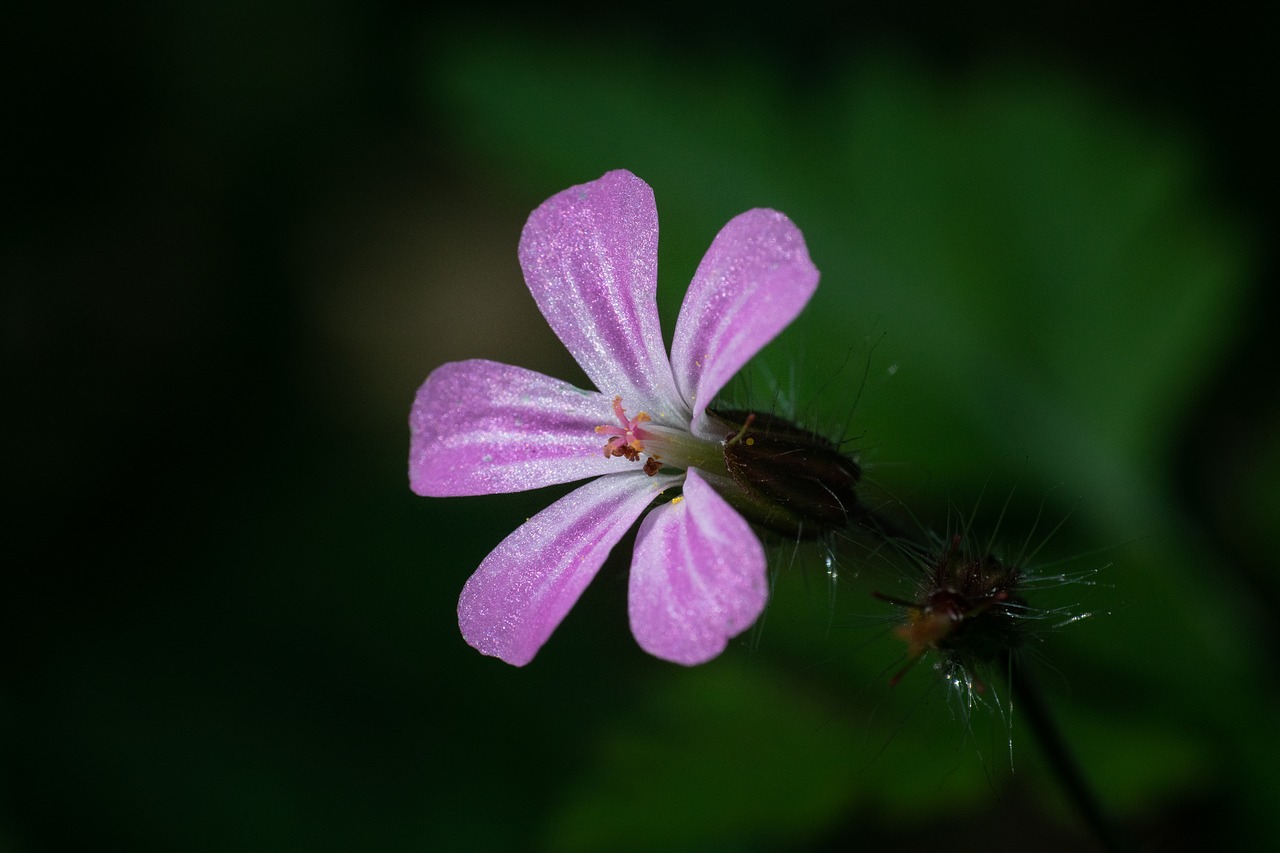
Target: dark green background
243 235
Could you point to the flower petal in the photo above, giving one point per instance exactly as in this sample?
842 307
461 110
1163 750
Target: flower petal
524 588
753 281
697 576
480 427
590 258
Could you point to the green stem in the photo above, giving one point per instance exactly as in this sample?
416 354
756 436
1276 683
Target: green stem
1032 707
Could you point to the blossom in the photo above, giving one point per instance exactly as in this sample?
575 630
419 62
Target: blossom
589 256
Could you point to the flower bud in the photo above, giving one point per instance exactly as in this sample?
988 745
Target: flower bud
970 608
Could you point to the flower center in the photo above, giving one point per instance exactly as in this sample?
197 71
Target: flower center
665 446
627 439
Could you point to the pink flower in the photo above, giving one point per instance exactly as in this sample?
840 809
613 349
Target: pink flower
589 256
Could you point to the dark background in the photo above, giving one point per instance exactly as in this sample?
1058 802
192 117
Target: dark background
240 236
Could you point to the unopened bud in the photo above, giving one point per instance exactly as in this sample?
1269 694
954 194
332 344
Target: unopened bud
968 608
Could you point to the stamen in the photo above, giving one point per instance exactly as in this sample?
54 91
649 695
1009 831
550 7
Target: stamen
745 426
628 439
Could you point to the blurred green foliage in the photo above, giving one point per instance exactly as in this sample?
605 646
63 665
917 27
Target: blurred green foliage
1029 288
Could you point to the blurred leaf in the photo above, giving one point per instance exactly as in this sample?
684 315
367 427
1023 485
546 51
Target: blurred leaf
730 756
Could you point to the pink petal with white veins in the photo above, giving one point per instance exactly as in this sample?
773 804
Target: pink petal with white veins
524 588
697 576
590 259
753 281
480 427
